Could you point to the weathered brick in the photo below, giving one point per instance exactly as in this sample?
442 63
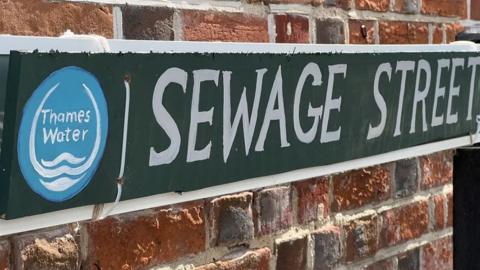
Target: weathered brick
4 255
404 223
406 6
361 237
438 255
291 29
375 5
256 259
344 4
399 32
436 169
273 210
437 34
475 10
313 203
360 187
330 31
222 26
447 8
301 2
144 239
406 177
49 249
231 219
361 31
328 247
151 23
386 264
409 260
292 254
439 211
42 18
452 30
450 209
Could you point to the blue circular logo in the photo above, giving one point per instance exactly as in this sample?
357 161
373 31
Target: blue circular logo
63 133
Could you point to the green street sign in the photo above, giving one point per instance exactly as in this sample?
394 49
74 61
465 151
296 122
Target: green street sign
78 124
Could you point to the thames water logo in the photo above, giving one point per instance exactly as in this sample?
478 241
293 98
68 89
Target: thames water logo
63 133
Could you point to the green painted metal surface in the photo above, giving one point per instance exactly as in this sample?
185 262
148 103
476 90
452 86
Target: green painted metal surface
3 89
338 99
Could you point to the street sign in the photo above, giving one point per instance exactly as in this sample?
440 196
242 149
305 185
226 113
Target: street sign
78 124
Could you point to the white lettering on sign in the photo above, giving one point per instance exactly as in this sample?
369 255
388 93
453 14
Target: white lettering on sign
164 119
452 118
374 132
438 120
55 135
421 95
397 79
197 116
249 122
276 96
332 104
404 67
311 69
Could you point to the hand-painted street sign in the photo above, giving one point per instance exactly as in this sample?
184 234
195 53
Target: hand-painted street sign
202 120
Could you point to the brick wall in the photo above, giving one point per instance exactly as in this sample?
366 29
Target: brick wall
391 216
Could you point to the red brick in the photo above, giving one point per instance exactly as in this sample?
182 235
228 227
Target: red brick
439 211
406 6
330 31
375 5
475 10
437 34
257 259
231 219
447 8
273 210
343 4
313 203
436 169
4 255
361 237
144 239
301 2
438 255
42 18
386 264
222 26
152 23
406 177
49 249
291 29
397 32
361 31
292 254
409 260
450 209
452 31
327 247
404 223
360 187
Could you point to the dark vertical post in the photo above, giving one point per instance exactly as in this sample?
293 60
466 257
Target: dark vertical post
466 196
466 208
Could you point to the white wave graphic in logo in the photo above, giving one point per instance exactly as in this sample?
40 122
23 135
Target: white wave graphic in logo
60 184
67 157
64 176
